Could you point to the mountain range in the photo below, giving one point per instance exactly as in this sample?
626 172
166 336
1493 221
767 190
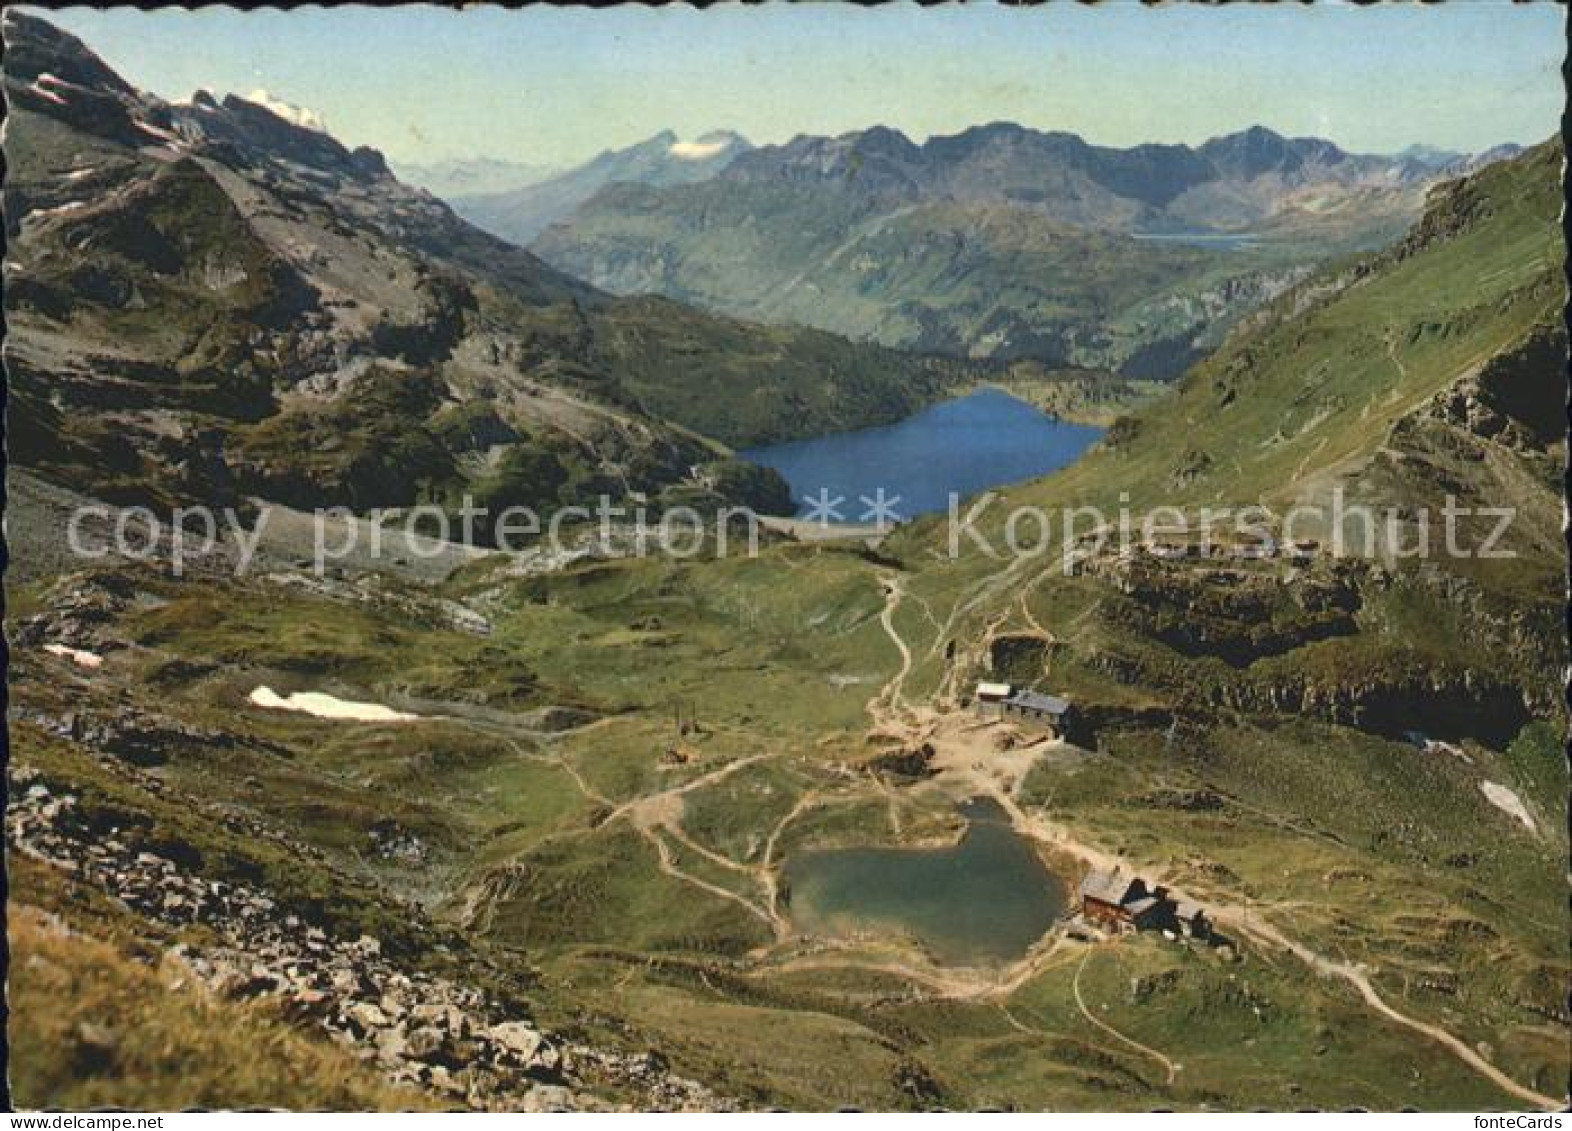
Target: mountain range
1001 241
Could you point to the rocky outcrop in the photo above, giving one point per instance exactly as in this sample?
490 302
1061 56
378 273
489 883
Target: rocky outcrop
1231 615
1518 397
906 763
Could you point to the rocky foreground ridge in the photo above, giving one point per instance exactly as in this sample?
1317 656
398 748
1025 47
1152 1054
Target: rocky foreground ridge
468 1047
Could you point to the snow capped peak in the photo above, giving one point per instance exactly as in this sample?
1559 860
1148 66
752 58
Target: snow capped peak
696 150
710 144
294 115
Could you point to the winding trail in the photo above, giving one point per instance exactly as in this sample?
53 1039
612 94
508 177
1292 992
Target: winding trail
890 696
767 872
890 712
630 808
1248 923
669 866
891 802
560 761
1241 918
1169 1066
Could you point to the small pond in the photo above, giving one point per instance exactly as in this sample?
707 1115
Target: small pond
980 902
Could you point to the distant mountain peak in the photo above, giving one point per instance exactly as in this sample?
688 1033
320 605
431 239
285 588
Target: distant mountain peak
885 140
654 144
257 127
1258 150
1431 155
472 176
521 214
1260 134
1000 128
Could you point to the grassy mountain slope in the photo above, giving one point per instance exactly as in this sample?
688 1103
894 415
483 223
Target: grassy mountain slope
1329 384
1424 371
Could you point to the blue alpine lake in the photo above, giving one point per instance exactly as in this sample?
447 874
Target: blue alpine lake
987 439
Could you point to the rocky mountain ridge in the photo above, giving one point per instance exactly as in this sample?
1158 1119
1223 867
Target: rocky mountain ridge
1000 242
462 1044
1142 188
520 214
250 308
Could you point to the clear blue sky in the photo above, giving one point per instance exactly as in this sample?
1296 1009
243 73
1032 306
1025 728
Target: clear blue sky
555 86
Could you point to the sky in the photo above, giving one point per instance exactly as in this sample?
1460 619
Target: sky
555 86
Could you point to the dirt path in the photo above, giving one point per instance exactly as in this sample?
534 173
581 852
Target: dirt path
980 591
889 699
959 984
560 761
1031 618
630 808
680 835
887 712
967 767
891 802
768 875
967 757
1169 1066
1247 923
669 866
662 812
1243 919
652 816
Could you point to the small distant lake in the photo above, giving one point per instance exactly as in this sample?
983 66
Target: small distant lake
967 445
1228 241
980 902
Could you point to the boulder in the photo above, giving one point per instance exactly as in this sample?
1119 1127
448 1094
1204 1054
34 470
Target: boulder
518 1038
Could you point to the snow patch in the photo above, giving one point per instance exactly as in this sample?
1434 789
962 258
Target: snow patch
156 131
1508 802
294 115
58 210
49 95
323 706
76 655
696 150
